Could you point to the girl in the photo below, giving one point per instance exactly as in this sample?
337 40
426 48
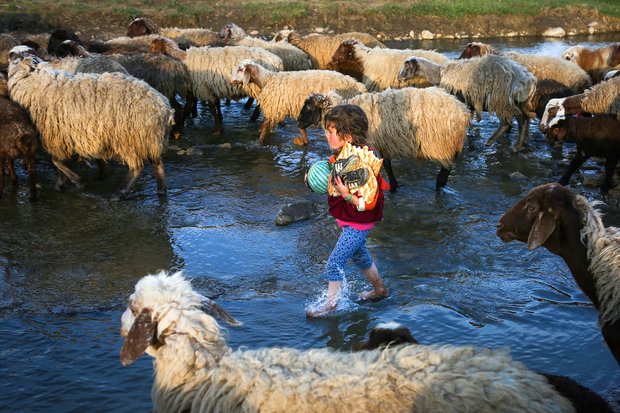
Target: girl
355 201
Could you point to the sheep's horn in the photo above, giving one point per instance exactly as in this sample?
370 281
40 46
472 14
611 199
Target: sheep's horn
212 308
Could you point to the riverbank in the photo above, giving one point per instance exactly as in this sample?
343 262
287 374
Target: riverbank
388 21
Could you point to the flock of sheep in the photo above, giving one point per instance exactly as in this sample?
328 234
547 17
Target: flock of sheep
119 100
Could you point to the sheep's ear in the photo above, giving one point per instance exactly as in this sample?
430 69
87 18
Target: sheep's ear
140 336
247 74
212 308
541 230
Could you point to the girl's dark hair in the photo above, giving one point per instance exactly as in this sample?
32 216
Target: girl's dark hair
348 120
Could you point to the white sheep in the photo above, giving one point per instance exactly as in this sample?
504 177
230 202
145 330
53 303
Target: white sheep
196 371
107 116
282 94
492 83
542 67
321 47
292 57
600 99
403 123
378 68
210 69
196 36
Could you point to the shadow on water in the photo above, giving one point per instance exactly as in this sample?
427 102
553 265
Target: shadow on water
69 261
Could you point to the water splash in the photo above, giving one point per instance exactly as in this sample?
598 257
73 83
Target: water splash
344 300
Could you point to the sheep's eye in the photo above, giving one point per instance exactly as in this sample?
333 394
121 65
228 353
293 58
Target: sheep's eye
530 208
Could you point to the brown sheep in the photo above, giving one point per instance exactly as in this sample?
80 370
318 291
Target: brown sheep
18 139
567 225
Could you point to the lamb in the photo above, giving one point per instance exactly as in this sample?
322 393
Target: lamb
107 116
196 371
210 69
600 99
282 94
411 123
594 136
292 57
583 399
542 67
568 225
493 83
18 139
378 68
546 89
321 47
196 36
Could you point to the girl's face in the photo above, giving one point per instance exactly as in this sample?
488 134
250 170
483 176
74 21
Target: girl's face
333 139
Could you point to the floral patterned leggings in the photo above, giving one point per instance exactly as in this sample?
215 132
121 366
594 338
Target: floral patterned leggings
351 244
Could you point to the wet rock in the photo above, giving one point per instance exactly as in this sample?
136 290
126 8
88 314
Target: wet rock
518 176
226 145
554 32
426 35
614 192
296 211
592 180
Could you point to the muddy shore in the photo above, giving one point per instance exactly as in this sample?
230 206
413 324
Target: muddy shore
551 22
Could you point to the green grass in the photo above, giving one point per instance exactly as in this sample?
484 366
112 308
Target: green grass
454 9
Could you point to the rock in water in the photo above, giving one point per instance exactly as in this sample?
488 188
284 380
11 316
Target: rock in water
297 211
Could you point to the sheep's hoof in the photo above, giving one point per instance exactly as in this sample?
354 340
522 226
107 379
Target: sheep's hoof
298 140
517 148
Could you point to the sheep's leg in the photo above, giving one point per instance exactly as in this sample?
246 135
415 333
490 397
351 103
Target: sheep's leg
29 164
10 163
303 140
611 334
227 102
524 125
248 103
130 178
2 161
577 161
191 107
265 128
102 166
504 127
216 111
255 114
610 168
160 176
442 178
179 118
387 164
66 171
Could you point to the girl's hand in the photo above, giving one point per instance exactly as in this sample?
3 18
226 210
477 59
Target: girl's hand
340 186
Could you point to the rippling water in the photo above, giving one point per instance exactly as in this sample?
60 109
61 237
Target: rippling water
69 261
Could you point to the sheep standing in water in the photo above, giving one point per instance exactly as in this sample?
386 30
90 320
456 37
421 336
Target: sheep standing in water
196 371
107 116
492 83
568 225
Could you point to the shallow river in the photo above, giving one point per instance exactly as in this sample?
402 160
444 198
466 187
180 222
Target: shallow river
69 261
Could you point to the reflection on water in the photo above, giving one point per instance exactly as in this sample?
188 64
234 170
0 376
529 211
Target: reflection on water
69 261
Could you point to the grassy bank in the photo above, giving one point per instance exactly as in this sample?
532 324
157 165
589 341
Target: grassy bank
115 14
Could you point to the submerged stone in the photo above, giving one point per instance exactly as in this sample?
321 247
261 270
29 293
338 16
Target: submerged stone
296 211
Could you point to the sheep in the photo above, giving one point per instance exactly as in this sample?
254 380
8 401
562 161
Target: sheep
106 116
282 94
378 68
18 139
546 89
196 371
568 225
166 74
583 399
542 67
594 136
292 57
493 83
321 47
601 99
7 42
386 334
210 69
590 59
196 36
409 122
